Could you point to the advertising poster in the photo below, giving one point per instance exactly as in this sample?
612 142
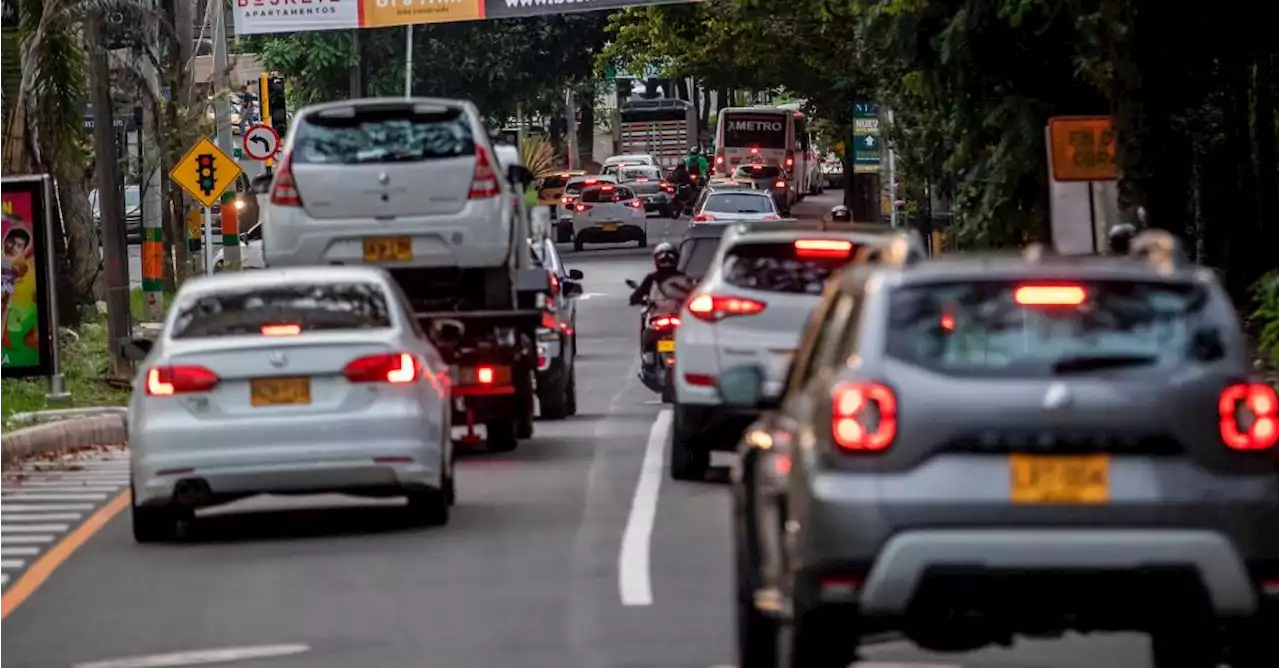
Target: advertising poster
257 17
24 316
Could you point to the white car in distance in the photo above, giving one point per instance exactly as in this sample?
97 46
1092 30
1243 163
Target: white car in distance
294 381
609 214
736 206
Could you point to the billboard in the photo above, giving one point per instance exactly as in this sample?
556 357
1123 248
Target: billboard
257 17
25 316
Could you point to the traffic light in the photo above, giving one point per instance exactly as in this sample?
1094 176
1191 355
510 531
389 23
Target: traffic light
276 105
204 172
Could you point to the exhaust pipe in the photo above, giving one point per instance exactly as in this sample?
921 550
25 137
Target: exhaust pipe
192 492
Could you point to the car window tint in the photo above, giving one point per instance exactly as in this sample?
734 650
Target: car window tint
696 255
399 133
606 194
997 328
781 267
309 306
738 203
553 182
633 173
757 172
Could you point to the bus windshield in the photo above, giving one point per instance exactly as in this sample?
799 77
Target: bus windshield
755 130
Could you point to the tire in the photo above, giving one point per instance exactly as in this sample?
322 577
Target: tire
156 524
644 241
563 235
501 435
823 640
669 390
571 394
524 426
756 634
1252 644
554 400
1185 648
450 490
688 462
429 507
577 244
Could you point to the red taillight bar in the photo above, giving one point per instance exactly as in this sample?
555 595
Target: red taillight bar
864 416
713 308
166 381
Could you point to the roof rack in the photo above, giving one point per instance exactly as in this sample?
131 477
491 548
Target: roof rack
1159 249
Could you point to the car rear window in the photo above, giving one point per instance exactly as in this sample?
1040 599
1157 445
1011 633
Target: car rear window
741 202
1038 329
554 182
577 186
606 194
309 307
784 266
758 172
651 173
696 255
400 133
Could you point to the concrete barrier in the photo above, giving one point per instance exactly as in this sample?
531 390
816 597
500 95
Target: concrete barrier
42 439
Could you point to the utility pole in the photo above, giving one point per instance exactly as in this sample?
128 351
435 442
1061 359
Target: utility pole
357 71
114 250
571 116
151 183
893 177
222 120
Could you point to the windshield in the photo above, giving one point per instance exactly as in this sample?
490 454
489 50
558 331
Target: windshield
757 172
606 194
755 130
696 255
780 267
739 203
398 134
312 307
633 173
998 328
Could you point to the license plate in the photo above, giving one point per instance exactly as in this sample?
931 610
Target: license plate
610 227
280 391
667 346
1059 479
387 249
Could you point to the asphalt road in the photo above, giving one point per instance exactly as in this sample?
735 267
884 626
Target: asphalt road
574 551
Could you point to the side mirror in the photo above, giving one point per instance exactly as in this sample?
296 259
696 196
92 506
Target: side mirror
632 284
519 174
688 211
244 239
572 289
575 274
744 387
136 350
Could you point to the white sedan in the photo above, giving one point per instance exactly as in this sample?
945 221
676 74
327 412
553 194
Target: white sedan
250 251
293 381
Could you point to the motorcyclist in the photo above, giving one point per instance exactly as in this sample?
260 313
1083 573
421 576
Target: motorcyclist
840 214
683 185
696 163
665 259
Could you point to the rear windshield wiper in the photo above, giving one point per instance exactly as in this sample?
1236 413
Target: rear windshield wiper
1086 363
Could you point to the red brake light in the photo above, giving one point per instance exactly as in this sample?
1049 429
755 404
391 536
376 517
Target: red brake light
830 248
590 182
791 159
580 207
665 322
281 330
394 368
484 375
703 217
780 184
757 167
165 381
1247 417
664 184
713 308
566 200
771 218
755 151
484 181
864 416
284 191
635 204
1050 295
642 180
606 189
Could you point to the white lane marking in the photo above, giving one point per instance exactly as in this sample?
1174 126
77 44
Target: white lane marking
588 295
46 538
198 657
59 487
43 517
4 578
31 528
23 496
7 508
634 583
18 551
11 563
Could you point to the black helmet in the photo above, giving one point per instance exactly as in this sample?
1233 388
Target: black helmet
1120 236
665 256
841 214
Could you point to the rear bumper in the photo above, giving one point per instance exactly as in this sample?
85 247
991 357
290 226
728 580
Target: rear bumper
595 234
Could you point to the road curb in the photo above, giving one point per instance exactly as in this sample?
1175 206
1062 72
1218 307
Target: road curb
42 439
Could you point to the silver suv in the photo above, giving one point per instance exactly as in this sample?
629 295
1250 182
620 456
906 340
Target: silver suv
400 182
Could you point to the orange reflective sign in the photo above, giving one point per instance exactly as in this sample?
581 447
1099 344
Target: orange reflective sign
1082 148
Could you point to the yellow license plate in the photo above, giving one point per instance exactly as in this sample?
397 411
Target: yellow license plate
280 391
387 249
667 346
610 227
1059 479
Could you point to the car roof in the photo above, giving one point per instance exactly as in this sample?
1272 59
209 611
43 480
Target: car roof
615 159
388 101
1011 266
790 230
259 278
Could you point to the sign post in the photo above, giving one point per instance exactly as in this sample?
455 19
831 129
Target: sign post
866 137
1082 149
205 172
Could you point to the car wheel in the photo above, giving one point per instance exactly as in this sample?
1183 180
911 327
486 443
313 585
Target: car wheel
644 241
154 524
669 389
554 396
821 639
572 392
429 507
688 461
1185 648
757 634
501 435
1252 644
563 235
577 244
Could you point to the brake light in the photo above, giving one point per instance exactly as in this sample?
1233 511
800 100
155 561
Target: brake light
823 248
719 157
484 181
394 368
590 182
284 190
864 416
1247 417
166 381
703 217
664 184
665 322
755 151
484 375
281 330
635 204
780 184
791 159
712 308
771 218
757 167
606 189
642 180
566 200
1050 295
581 207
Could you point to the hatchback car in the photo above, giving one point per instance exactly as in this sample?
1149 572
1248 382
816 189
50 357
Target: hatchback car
609 214
735 205
572 191
411 182
749 309
293 381
978 448
770 178
652 189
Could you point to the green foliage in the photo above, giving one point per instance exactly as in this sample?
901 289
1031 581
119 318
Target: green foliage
1267 318
538 156
85 364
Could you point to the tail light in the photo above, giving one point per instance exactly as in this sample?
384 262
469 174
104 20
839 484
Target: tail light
284 190
580 208
864 416
606 189
281 330
484 181
664 185
791 159
755 151
642 180
1050 295
719 158
713 308
484 375
771 218
823 248
635 204
1247 417
703 217
394 368
566 200
665 322
166 381
780 184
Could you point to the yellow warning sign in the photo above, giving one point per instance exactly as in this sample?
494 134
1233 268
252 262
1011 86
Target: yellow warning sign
205 172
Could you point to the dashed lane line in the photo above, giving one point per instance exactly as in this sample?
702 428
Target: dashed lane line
634 579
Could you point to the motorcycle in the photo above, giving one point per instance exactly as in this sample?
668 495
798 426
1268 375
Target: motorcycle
658 324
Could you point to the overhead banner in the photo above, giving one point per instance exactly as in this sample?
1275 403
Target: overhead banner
258 17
